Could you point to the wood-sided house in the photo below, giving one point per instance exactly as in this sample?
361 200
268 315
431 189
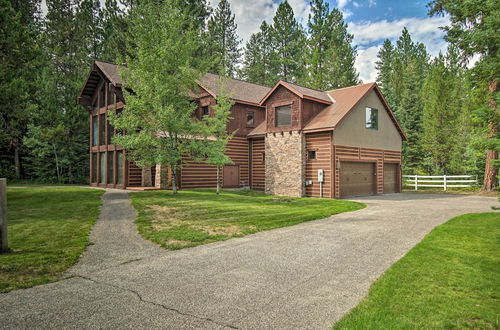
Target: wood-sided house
289 140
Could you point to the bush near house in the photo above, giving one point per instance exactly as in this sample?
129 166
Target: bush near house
449 280
48 230
195 217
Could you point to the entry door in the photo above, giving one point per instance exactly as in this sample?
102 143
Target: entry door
231 176
390 178
356 179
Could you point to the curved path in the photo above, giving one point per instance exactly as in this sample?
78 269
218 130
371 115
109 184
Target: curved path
305 276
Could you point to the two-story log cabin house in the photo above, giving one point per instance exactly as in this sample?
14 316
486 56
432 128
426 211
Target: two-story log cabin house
289 140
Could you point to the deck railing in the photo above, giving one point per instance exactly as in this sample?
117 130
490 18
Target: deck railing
440 181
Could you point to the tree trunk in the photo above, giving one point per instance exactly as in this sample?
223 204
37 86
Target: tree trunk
490 171
17 161
174 180
218 180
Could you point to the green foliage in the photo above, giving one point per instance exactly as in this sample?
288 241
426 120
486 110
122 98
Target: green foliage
48 231
222 41
330 56
449 280
195 217
288 39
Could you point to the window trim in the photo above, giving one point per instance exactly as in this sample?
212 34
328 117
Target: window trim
207 107
309 155
377 117
275 109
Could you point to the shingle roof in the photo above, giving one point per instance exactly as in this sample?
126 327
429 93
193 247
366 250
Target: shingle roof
301 91
110 70
259 130
238 90
345 99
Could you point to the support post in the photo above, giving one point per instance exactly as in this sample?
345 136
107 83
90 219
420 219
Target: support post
4 246
416 182
444 181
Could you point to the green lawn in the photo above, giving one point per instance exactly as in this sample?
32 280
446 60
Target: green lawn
449 280
48 230
195 217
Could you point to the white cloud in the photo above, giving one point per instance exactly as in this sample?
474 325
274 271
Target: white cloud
365 63
342 3
369 36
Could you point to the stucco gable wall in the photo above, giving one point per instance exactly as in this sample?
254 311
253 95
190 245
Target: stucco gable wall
352 132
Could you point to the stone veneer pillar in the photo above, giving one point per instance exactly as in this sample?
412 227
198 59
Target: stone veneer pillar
285 164
161 177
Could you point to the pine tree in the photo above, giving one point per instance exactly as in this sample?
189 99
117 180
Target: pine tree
288 39
17 64
223 44
114 31
384 68
474 29
442 115
341 55
258 52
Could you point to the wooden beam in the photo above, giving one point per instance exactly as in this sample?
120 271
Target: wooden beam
4 246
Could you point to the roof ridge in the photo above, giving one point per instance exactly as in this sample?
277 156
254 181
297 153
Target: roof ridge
313 89
248 82
359 85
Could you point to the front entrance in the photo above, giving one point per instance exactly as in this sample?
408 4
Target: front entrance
231 176
357 179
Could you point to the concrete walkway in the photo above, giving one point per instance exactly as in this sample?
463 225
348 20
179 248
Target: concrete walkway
301 277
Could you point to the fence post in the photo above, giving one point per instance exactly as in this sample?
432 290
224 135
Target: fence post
444 181
416 182
4 247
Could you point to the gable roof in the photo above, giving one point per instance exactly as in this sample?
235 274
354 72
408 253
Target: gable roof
345 100
110 70
238 90
300 91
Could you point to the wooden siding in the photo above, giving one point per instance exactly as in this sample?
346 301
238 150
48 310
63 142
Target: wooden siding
202 175
377 156
322 144
258 166
282 96
134 175
309 110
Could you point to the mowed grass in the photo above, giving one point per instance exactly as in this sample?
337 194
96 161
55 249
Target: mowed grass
450 280
48 230
194 217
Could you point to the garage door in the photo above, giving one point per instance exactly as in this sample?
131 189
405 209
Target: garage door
390 178
356 179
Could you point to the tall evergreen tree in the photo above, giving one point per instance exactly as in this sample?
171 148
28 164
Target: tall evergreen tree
114 31
18 53
223 44
288 39
385 69
443 113
257 60
474 29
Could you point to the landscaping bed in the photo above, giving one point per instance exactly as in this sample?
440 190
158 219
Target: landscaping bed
449 280
48 230
194 217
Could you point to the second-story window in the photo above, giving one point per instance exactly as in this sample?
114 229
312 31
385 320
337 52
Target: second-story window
102 93
371 118
250 118
283 115
111 95
102 129
95 130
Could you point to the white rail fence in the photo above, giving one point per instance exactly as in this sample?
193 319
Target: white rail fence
440 181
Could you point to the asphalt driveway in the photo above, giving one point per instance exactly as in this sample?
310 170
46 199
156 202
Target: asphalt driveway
306 276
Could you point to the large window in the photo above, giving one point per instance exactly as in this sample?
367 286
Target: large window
119 167
102 92
111 133
93 178
102 128
251 118
102 174
111 158
95 130
111 95
371 118
284 115
205 111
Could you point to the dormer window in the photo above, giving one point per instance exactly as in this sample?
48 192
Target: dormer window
283 115
371 118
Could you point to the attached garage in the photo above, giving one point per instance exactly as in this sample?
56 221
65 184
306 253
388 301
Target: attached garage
357 179
391 178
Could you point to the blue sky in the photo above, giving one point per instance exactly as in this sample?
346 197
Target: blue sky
371 22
